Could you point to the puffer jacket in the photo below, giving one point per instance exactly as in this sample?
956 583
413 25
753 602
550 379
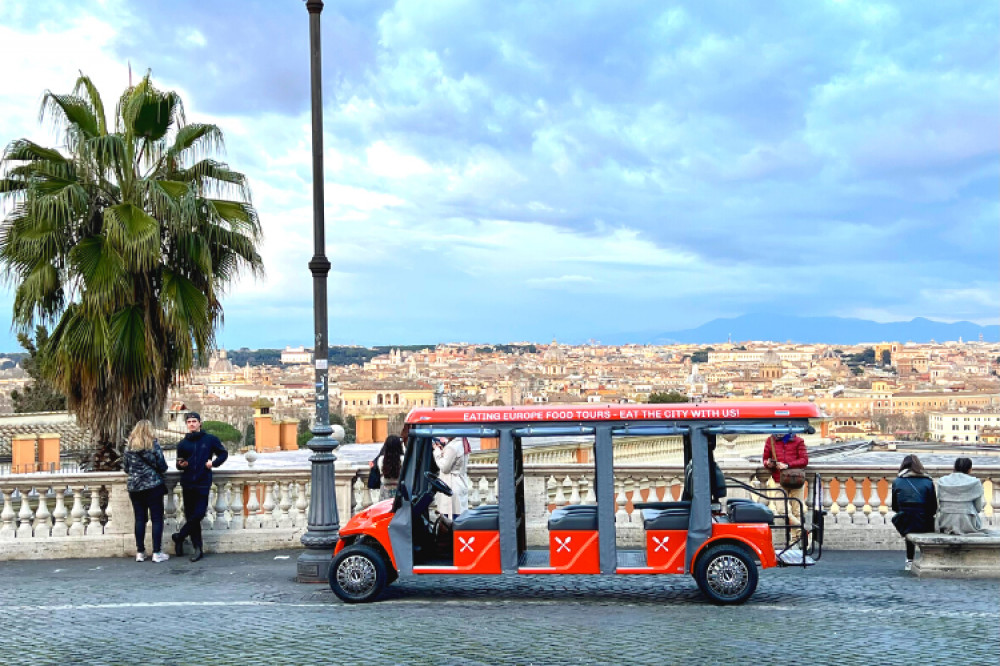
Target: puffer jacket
914 499
145 469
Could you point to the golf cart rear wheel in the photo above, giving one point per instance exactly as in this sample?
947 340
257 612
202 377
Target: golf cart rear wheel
358 574
726 574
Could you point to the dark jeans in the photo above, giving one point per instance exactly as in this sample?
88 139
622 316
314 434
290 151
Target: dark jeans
148 504
195 507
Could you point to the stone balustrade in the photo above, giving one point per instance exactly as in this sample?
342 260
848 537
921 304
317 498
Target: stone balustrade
89 515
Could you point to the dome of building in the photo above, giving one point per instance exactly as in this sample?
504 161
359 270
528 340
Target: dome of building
770 358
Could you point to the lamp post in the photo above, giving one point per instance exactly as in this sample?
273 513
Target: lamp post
323 523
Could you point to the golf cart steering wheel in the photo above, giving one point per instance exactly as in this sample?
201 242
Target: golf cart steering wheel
437 484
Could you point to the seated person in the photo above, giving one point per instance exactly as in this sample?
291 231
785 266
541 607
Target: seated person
960 499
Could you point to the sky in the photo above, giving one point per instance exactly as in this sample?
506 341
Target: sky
530 170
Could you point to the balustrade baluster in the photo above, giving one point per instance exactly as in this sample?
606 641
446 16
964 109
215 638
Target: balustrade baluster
24 516
574 490
875 501
293 510
590 497
77 516
842 517
360 495
171 522
218 509
59 529
234 500
41 526
828 504
474 498
276 511
94 513
302 503
253 508
7 516
643 485
631 490
558 498
621 515
858 504
285 505
267 517
484 489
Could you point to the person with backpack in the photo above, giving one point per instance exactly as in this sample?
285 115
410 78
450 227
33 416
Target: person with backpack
145 466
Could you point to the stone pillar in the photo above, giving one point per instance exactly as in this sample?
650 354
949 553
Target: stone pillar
380 428
22 451
48 452
289 431
363 432
266 434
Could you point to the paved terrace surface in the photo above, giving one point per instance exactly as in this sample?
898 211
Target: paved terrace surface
853 608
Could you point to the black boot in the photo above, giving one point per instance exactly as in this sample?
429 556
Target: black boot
197 554
178 543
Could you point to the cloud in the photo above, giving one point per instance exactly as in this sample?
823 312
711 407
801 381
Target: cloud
556 160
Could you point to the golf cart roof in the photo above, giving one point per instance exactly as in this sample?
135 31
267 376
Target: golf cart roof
616 412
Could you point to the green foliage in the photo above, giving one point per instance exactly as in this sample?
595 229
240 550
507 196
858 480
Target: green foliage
40 395
700 356
123 240
866 357
350 426
249 436
667 396
222 430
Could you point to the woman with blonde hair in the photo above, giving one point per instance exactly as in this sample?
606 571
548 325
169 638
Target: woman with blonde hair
145 466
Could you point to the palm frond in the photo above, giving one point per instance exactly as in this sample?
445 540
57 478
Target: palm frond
25 150
134 234
70 112
84 84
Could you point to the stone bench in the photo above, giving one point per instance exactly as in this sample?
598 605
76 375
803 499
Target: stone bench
957 555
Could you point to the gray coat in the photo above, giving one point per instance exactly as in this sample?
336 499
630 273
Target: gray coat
960 499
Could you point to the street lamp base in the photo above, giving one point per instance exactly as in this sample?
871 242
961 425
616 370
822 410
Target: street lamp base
313 566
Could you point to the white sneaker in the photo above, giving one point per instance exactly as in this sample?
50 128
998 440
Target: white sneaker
140 557
160 557
908 565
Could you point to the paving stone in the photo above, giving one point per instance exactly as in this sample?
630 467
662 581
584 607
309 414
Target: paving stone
854 607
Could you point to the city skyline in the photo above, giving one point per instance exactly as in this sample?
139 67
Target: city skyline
492 177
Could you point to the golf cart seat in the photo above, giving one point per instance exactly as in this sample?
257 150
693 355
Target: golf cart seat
483 518
749 512
666 519
574 517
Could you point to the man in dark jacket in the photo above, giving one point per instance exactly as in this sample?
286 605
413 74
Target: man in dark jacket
194 459
787 452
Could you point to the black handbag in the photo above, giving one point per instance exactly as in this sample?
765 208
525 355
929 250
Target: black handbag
374 476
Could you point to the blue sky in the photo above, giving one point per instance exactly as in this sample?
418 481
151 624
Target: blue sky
529 170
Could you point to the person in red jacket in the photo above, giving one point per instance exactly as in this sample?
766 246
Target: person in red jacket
791 453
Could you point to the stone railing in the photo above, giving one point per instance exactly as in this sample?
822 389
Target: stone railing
89 515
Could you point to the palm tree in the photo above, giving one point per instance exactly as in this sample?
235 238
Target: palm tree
124 240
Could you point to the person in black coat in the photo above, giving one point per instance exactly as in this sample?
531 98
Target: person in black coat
914 501
195 460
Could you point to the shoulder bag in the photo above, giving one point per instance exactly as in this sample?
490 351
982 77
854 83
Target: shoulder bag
789 477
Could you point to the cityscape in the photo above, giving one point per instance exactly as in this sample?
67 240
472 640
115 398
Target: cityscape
499 333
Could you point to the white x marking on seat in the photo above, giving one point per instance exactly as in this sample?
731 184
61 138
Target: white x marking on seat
661 544
563 544
466 544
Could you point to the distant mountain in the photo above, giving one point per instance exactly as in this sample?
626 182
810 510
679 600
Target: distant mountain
829 330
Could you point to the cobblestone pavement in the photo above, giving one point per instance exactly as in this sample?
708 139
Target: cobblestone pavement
853 608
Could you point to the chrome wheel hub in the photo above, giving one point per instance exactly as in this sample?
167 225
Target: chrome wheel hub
356 575
728 576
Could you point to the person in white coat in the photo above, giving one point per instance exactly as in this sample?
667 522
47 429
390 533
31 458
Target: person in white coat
452 458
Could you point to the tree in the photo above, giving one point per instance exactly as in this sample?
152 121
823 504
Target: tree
249 436
39 395
667 396
124 239
223 431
